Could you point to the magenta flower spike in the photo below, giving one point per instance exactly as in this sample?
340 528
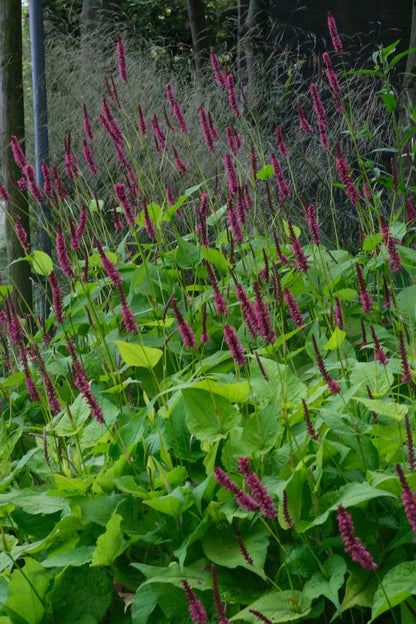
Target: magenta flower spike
391 246
18 154
196 610
294 311
408 498
209 139
57 301
4 193
204 333
234 345
365 298
282 185
120 192
121 54
81 382
303 122
247 310
231 174
380 355
308 422
352 543
333 31
409 441
264 324
332 385
108 266
185 330
219 74
87 124
142 121
257 489
286 514
313 224
281 145
21 234
232 98
243 499
89 158
222 618
297 250
62 254
128 318
344 174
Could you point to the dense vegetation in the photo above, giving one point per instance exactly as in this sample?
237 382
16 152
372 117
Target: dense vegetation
215 421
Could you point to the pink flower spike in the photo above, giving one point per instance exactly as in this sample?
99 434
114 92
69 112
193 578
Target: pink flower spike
18 154
234 345
4 193
232 98
281 145
257 489
196 610
56 298
21 234
142 121
87 124
62 254
121 54
294 311
244 500
408 498
352 543
332 27
219 75
184 328
365 298
303 122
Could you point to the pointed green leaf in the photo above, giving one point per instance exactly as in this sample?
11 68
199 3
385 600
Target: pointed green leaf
110 544
27 588
209 416
336 340
265 172
136 355
42 263
399 583
277 606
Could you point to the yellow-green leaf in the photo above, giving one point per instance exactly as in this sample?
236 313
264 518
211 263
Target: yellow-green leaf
336 340
42 263
136 355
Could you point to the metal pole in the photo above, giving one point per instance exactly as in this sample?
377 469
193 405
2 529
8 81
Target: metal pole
41 124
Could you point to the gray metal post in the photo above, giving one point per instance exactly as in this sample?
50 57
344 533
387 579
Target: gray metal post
40 123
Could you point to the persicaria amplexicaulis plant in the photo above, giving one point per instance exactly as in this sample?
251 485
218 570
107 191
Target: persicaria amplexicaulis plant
198 308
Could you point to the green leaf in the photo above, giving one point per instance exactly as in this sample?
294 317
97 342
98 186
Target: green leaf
27 589
385 408
42 263
110 544
378 379
398 584
173 504
209 417
406 302
74 557
136 355
96 205
348 495
155 213
261 430
359 591
79 593
371 241
336 340
79 411
318 585
235 392
216 258
33 502
389 100
265 172
277 606
145 602
222 548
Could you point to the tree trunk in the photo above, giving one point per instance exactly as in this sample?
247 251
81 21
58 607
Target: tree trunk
12 123
410 73
253 35
200 35
99 20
